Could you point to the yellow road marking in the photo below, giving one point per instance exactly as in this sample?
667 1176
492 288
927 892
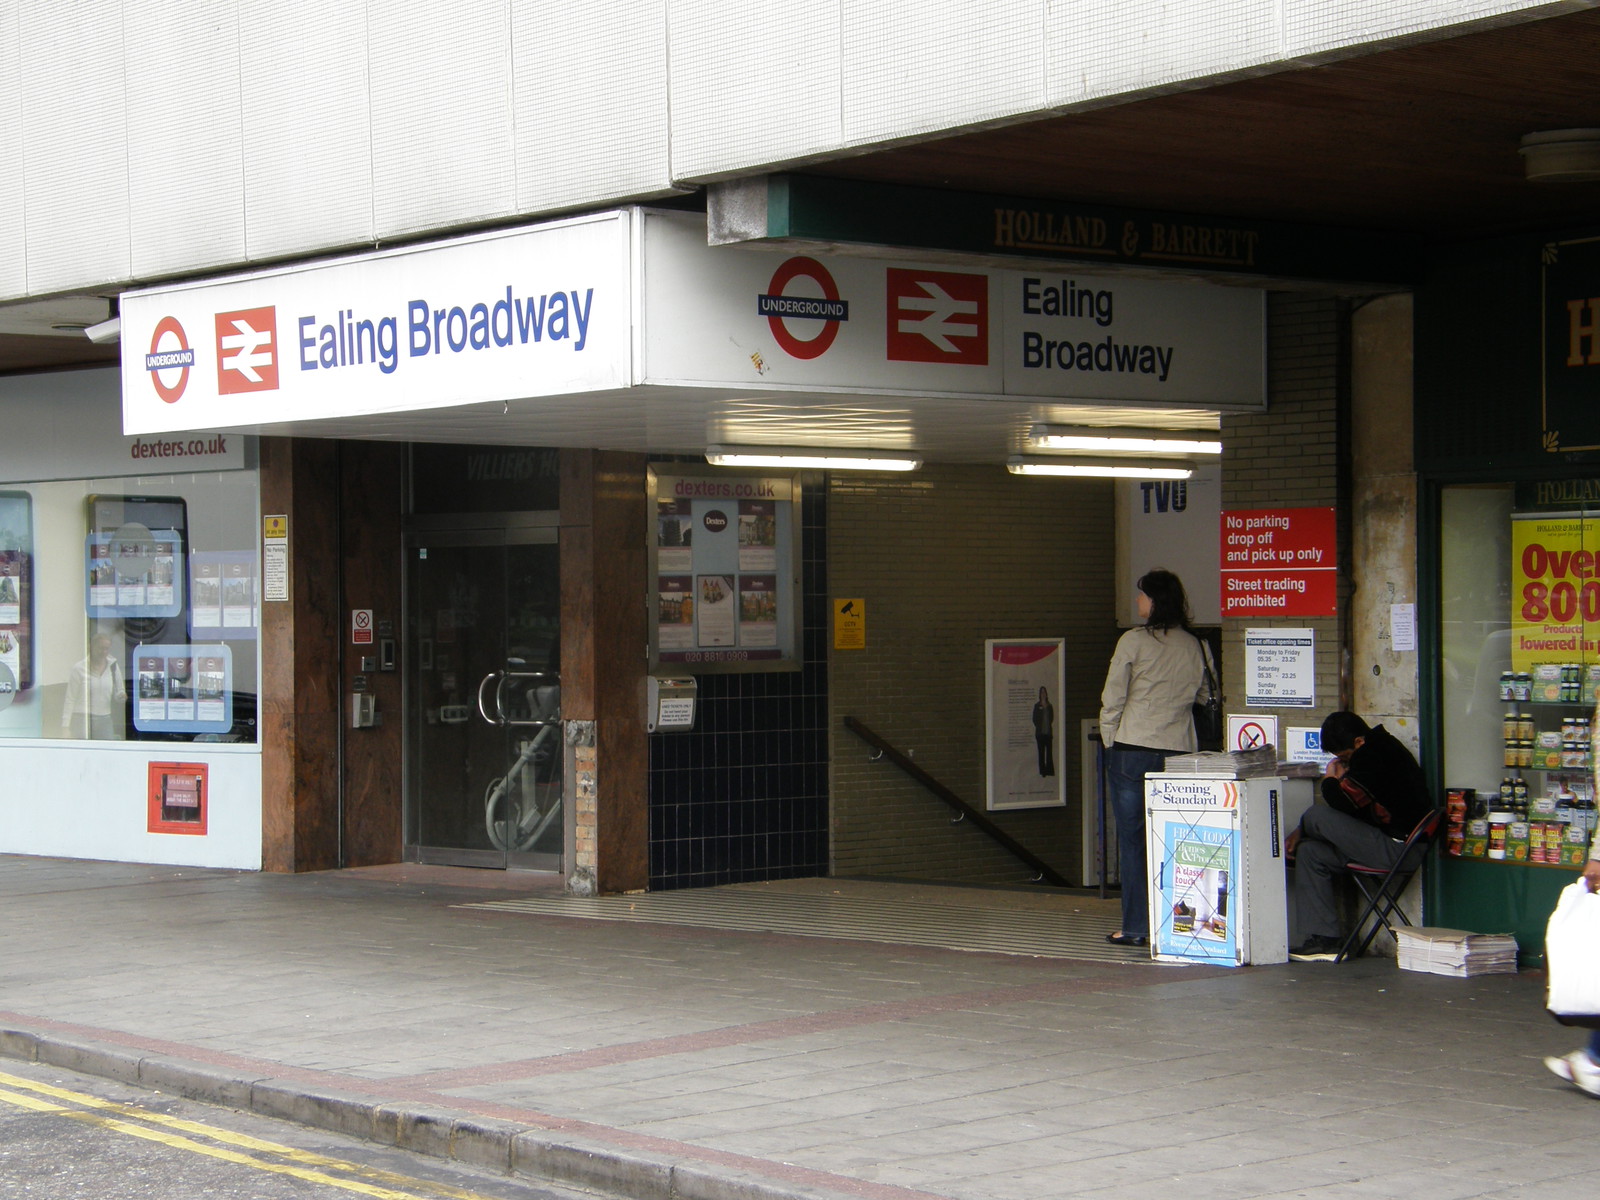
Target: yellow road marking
304 1158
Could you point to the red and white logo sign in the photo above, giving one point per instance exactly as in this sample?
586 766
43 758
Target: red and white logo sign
169 360
247 351
938 317
826 310
361 626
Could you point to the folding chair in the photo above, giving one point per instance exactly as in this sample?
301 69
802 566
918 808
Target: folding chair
1381 888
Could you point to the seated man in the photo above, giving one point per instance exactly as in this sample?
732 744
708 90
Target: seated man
1373 795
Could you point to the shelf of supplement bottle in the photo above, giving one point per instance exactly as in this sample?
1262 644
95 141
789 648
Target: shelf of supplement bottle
1552 703
1516 862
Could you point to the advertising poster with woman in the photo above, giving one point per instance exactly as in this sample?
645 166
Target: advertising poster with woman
1026 739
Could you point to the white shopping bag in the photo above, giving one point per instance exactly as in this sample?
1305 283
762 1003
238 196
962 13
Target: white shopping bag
1572 957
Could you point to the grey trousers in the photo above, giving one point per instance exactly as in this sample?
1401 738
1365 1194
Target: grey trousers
1328 840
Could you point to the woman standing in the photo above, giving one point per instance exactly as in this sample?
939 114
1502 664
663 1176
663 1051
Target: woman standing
1044 733
95 690
1157 674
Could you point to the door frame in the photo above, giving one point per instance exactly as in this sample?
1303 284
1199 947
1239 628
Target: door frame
491 529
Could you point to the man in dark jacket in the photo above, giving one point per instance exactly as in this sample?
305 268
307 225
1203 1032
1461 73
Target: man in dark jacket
1374 795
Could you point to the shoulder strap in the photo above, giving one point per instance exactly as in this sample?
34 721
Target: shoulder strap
1205 660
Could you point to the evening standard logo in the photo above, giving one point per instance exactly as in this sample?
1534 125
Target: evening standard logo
247 351
1197 793
169 360
779 308
938 317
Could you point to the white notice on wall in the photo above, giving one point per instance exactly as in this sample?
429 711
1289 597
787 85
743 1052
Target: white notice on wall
275 557
1279 668
1402 627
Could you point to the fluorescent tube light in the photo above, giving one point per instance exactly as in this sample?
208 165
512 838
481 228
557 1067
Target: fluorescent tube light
1123 441
814 457
1099 468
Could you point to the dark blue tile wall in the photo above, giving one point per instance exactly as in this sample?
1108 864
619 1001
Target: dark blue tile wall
744 795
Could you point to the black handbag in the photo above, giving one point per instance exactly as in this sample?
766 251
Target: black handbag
1208 724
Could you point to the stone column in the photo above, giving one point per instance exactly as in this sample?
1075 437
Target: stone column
604 635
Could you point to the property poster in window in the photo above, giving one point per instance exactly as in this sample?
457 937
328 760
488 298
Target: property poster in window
725 553
16 590
134 553
675 612
758 610
183 689
224 595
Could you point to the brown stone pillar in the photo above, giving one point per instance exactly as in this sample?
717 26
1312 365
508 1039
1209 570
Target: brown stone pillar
299 699
371 480
603 644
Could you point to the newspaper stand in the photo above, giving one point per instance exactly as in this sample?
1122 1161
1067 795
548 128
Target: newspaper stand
1214 829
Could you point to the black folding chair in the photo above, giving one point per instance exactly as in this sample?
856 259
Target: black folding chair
1381 888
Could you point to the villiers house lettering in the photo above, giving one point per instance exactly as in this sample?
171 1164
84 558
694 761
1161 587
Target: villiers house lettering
1089 309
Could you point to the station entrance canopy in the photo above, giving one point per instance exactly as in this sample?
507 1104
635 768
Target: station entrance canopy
626 330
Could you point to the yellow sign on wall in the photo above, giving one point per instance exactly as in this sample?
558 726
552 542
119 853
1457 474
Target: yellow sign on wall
1555 591
850 624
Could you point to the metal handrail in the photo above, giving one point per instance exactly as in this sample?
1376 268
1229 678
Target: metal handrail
1046 872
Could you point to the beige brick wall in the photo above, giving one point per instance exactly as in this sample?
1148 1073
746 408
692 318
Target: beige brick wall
1289 457
945 558
952 555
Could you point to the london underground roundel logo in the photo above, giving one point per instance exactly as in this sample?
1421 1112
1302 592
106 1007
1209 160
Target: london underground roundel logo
779 308
169 359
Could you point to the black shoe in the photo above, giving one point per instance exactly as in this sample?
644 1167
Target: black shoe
1317 949
1127 939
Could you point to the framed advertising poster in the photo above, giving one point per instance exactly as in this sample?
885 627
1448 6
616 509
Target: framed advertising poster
725 570
134 552
16 594
1024 681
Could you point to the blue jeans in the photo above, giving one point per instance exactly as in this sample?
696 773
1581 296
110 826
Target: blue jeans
1125 772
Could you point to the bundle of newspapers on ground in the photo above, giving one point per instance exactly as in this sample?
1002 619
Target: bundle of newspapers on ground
1455 952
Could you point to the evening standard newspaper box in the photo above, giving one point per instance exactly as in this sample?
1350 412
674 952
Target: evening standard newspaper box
1215 849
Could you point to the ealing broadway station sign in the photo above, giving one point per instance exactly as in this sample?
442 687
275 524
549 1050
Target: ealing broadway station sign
541 311
636 299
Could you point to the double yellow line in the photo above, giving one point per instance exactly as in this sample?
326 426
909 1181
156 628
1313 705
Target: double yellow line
222 1144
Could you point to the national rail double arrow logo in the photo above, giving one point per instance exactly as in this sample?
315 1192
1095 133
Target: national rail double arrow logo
938 317
247 351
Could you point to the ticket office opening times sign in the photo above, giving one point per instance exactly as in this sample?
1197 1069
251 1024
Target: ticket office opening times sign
1280 668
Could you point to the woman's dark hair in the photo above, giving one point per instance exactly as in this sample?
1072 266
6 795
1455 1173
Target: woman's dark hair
1169 606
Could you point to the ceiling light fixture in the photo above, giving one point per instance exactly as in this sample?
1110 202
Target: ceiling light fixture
813 457
1088 440
1561 156
1100 468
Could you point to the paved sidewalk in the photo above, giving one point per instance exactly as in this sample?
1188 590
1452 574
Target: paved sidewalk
658 1061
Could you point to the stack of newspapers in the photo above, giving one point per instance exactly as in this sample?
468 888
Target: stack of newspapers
1455 952
1240 764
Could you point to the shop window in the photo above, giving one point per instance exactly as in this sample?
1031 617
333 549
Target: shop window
1520 621
130 608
